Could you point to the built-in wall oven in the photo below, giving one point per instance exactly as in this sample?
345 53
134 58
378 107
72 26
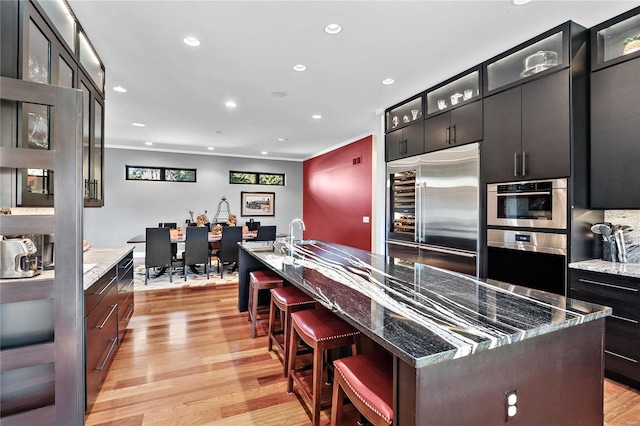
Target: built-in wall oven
527 234
531 259
531 204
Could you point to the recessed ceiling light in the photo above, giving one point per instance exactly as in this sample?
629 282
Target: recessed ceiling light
388 81
316 116
138 124
278 94
264 152
218 131
332 29
191 41
520 2
148 143
210 148
283 139
299 67
230 104
120 89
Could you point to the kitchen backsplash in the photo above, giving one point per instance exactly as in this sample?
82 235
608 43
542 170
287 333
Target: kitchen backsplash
632 239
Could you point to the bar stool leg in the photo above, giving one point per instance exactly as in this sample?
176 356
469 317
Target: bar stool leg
317 385
272 318
291 362
337 402
254 310
250 303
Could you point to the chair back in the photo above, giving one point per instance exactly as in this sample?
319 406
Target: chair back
231 235
266 233
172 225
157 251
196 246
252 225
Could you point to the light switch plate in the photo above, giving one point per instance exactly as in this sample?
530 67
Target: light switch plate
365 219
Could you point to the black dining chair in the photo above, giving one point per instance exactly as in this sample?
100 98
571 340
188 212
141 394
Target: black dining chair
157 252
266 233
252 225
196 249
228 252
174 246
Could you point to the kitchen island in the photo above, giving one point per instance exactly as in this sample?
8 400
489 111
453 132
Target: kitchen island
460 346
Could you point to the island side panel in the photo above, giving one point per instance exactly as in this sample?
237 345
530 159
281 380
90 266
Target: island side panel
246 264
558 378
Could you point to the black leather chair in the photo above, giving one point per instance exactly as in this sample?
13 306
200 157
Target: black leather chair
196 249
252 225
174 246
157 251
228 252
266 233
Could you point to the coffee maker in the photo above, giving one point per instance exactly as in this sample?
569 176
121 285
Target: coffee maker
18 258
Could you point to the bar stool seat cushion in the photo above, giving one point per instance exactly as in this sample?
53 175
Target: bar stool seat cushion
264 277
370 378
320 324
290 296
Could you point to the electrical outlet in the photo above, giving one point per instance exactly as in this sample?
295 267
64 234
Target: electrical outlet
365 219
511 404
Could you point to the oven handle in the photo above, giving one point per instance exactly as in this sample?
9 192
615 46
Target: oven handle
506 194
527 247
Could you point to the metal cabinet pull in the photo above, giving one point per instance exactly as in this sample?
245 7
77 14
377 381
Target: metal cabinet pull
113 308
607 285
524 163
515 164
621 356
125 289
114 342
448 137
453 139
129 313
128 265
106 286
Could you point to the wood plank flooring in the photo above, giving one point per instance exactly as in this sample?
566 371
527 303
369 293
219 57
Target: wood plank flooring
187 359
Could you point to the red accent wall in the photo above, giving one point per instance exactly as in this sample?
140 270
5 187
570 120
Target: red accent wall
336 194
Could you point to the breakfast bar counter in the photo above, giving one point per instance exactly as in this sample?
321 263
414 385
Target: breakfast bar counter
460 345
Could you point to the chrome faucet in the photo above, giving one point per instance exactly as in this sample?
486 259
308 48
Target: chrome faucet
294 221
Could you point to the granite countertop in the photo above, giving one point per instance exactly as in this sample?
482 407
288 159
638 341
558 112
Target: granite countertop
422 314
615 268
102 259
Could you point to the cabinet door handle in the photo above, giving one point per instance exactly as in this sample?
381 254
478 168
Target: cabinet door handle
406 150
515 163
113 308
106 359
453 139
524 163
106 286
448 137
129 263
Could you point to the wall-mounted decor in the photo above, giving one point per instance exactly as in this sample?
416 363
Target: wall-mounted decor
257 203
255 178
160 174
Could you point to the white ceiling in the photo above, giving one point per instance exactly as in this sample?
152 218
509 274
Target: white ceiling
249 48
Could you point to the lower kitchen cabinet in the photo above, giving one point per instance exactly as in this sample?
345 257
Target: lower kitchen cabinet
101 331
622 335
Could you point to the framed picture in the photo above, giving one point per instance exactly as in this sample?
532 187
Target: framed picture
257 203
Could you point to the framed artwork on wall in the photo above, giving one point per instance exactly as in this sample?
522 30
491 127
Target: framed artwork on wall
257 203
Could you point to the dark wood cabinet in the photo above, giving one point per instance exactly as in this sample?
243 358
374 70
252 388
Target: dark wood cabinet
405 142
101 332
615 136
456 127
622 336
527 131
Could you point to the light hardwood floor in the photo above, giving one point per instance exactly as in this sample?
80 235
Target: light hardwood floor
187 359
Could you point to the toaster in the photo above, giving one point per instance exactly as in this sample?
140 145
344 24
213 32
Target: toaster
18 258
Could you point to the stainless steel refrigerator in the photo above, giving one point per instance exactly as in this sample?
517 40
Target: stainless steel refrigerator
432 208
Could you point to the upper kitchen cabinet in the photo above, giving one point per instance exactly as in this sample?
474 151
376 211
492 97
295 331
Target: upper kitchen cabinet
454 112
404 126
615 113
616 40
42 42
535 111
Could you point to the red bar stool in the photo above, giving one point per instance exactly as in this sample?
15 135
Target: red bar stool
321 330
260 280
285 300
367 380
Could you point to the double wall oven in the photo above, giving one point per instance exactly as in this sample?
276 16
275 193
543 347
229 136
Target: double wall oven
527 233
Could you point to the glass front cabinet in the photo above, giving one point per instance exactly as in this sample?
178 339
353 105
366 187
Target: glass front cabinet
47 46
